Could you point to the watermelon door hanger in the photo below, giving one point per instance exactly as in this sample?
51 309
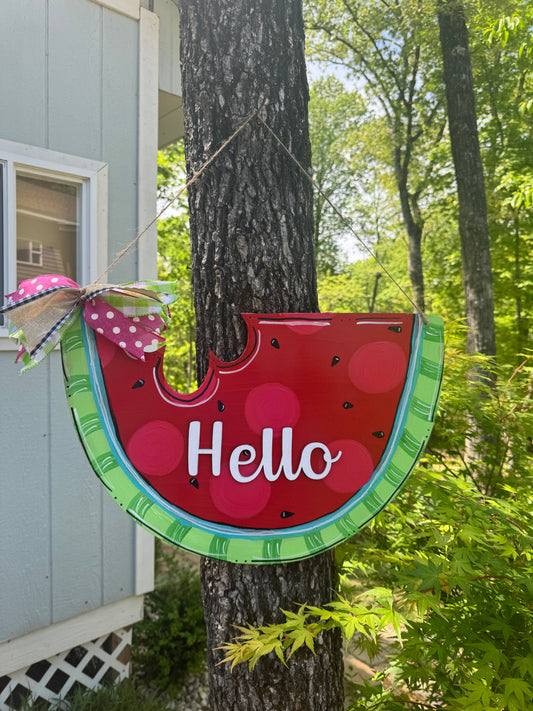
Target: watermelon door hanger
287 451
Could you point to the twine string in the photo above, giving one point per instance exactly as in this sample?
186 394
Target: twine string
198 173
343 219
172 200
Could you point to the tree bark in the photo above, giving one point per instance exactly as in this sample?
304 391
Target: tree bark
251 235
473 226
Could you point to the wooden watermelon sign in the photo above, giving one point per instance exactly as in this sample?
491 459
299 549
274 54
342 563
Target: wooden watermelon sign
279 455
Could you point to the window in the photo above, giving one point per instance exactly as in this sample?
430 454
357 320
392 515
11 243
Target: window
3 270
29 252
48 225
48 216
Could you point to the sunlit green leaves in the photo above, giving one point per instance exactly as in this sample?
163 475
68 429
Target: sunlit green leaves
174 262
367 617
447 569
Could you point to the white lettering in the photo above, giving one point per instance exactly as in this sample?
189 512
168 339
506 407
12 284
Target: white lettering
286 456
195 451
235 462
245 454
305 461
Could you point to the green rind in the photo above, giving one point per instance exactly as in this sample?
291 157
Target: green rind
254 548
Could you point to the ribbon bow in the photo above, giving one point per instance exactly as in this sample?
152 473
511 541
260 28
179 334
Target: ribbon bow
131 315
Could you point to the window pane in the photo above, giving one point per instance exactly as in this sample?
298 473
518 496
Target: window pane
3 273
23 251
48 223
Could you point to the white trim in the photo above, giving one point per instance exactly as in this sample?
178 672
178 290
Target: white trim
49 160
147 143
144 561
91 175
44 643
98 244
130 8
146 211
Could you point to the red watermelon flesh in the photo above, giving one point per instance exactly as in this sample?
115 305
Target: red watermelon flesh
334 380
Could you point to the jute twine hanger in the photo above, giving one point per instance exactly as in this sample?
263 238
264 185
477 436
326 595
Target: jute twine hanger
198 173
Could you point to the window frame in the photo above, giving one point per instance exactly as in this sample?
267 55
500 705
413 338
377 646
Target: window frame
90 175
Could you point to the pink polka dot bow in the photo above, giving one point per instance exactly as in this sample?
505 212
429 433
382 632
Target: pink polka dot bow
131 315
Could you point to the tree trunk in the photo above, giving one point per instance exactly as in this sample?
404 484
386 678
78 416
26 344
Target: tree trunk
412 225
251 235
473 227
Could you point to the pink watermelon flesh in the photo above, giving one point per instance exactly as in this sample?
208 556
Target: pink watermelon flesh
333 379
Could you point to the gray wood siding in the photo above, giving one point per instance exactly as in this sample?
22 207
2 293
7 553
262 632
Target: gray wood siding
70 84
169 46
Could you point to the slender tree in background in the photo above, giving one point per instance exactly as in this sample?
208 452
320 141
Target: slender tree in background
251 235
381 46
473 226
334 115
504 92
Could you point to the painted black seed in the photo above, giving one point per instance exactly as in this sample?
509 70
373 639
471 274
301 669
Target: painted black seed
335 360
379 434
287 514
347 405
274 342
221 406
396 329
194 482
138 384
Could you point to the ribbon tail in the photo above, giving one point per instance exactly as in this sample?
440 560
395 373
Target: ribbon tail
135 335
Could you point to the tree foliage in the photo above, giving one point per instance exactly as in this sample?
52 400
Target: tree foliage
445 567
334 118
387 50
500 40
174 264
505 96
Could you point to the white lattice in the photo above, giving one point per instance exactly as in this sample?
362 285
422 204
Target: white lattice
106 659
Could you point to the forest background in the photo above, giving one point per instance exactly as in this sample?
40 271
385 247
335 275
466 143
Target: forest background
449 564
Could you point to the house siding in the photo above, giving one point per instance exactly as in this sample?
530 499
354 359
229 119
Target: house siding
72 86
169 46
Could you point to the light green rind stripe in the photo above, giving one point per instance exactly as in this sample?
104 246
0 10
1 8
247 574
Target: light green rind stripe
291 549
384 490
160 520
247 550
331 536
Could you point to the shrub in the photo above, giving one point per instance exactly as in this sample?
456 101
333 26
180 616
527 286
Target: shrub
448 567
118 697
170 642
